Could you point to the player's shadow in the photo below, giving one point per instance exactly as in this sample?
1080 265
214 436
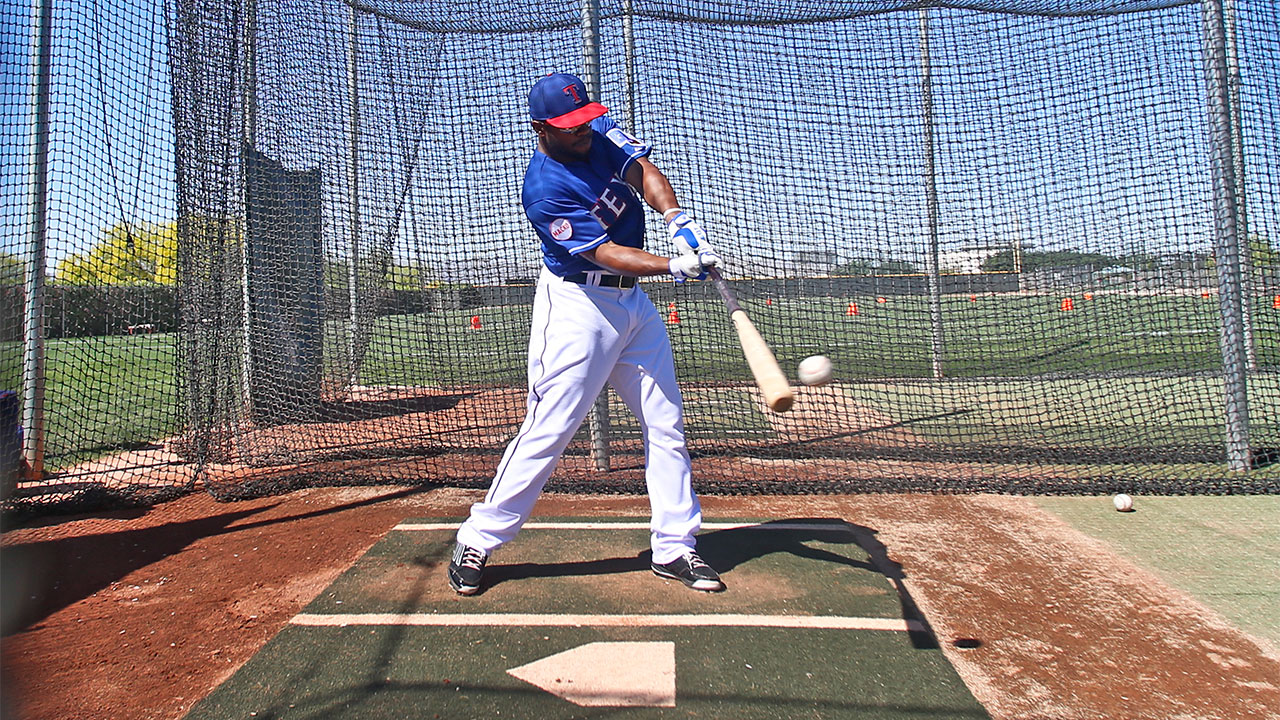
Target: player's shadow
499 573
727 549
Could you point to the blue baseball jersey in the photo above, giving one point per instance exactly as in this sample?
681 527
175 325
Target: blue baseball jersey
580 205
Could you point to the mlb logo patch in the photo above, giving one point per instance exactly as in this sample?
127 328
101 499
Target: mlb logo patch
561 229
624 140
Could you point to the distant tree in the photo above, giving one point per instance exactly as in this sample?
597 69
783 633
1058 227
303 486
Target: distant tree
1037 260
1262 254
336 273
406 277
1000 262
128 254
11 270
1264 258
1140 261
854 268
897 267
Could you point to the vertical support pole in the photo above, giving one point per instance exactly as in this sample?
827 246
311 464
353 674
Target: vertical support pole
931 195
1226 238
1234 82
591 47
251 72
249 135
598 418
629 43
1017 249
353 197
33 366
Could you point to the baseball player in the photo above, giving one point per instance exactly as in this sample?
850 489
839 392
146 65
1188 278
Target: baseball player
593 325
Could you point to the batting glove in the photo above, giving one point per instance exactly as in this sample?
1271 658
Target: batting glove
693 266
687 234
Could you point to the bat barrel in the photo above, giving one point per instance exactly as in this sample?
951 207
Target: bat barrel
772 382
769 377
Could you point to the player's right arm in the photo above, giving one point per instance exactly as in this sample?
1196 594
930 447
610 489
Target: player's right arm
653 185
625 260
694 258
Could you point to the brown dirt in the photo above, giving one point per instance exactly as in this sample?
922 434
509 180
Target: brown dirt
140 614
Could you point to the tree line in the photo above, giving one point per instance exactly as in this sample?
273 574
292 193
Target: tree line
147 254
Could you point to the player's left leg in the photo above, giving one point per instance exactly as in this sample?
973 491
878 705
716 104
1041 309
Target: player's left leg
645 379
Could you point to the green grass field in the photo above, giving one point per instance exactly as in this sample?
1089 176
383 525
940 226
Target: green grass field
1119 411
103 393
988 337
1225 551
1117 371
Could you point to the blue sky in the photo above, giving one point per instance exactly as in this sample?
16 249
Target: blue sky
111 136
1046 130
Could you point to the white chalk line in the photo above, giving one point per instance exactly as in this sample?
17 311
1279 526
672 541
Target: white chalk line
824 527
800 622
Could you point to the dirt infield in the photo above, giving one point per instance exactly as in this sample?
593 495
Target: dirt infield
139 614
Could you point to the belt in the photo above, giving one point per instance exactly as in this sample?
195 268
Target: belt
618 281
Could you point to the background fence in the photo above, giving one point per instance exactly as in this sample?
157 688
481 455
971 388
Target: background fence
280 243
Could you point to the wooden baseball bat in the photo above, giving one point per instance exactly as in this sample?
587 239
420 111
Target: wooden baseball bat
764 366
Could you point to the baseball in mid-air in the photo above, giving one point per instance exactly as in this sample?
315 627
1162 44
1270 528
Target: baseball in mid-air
1123 502
815 370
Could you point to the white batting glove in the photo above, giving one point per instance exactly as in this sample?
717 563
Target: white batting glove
687 234
693 266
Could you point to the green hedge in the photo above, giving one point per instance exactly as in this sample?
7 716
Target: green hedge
80 310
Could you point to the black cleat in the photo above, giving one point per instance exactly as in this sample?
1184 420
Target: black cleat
466 568
691 571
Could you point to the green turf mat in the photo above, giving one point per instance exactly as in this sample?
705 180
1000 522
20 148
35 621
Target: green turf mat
390 672
805 572
359 668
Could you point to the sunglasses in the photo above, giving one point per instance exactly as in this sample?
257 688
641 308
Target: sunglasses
573 130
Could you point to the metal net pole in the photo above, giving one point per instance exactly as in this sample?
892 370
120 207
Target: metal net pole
598 420
37 230
1226 239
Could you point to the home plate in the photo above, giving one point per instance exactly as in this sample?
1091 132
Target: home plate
608 674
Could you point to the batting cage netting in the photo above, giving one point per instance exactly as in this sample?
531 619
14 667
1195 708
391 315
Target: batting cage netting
256 245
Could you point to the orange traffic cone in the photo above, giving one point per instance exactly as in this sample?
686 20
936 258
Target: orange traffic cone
853 309
769 301
1204 294
475 322
973 298
673 317
1088 296
1067 304
881 300
1275 304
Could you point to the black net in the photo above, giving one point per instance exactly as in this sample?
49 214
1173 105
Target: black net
89 207
1017 228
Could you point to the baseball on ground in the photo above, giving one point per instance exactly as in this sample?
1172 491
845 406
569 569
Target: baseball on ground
815 370
1123 502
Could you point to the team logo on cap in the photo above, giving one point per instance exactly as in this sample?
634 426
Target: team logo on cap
561 229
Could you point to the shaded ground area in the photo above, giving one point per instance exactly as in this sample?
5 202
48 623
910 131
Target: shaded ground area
140 614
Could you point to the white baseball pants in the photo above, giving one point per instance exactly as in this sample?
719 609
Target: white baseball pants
582 337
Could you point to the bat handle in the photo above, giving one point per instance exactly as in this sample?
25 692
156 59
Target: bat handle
722 286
